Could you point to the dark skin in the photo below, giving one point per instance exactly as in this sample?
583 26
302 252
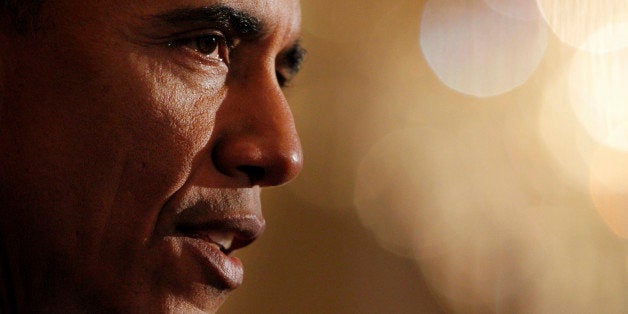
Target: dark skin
135 139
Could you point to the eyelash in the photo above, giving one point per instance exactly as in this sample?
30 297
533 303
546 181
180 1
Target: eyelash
281 79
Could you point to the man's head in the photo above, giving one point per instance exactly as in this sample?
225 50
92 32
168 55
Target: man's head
134 139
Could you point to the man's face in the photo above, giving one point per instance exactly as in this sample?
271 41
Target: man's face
135 137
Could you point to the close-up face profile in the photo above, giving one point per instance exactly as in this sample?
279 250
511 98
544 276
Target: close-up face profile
135 139
462 156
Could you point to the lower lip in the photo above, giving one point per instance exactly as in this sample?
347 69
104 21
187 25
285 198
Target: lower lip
225 272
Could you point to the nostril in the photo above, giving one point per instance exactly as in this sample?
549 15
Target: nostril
255 173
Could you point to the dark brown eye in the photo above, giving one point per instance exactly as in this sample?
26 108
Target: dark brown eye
210 46
207 45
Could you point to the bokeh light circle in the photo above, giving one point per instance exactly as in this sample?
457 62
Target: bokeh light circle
477 51
450 201
389 192
609 38
574 22
598 94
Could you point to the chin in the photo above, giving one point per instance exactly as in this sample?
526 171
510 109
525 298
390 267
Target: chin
201 299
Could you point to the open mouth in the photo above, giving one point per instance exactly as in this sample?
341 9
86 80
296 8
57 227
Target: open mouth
222 240
204 245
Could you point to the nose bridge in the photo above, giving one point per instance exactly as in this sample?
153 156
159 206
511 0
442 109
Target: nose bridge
258 140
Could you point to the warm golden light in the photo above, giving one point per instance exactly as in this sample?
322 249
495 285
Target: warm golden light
342 21
459 157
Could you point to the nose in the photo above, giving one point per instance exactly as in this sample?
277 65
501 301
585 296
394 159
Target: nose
257 140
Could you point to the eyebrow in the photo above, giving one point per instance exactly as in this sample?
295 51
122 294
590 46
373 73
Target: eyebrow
229 19
238 23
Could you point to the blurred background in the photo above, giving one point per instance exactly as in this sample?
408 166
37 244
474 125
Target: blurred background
461 156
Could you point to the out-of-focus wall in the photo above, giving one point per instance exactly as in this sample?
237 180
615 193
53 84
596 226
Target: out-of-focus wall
461 156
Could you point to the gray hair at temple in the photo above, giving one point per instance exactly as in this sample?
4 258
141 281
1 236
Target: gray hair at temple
22 14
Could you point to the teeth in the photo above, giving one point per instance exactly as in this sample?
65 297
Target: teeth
224 240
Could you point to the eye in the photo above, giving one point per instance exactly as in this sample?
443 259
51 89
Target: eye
212 46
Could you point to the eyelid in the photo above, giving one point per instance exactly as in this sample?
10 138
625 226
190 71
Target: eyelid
230 40
179 39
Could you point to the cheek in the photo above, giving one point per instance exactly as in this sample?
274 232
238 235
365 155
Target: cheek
164 126
168 122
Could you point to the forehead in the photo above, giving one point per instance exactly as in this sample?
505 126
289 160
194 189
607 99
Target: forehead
283 16
271 12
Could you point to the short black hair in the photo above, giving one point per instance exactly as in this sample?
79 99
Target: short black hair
23 14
